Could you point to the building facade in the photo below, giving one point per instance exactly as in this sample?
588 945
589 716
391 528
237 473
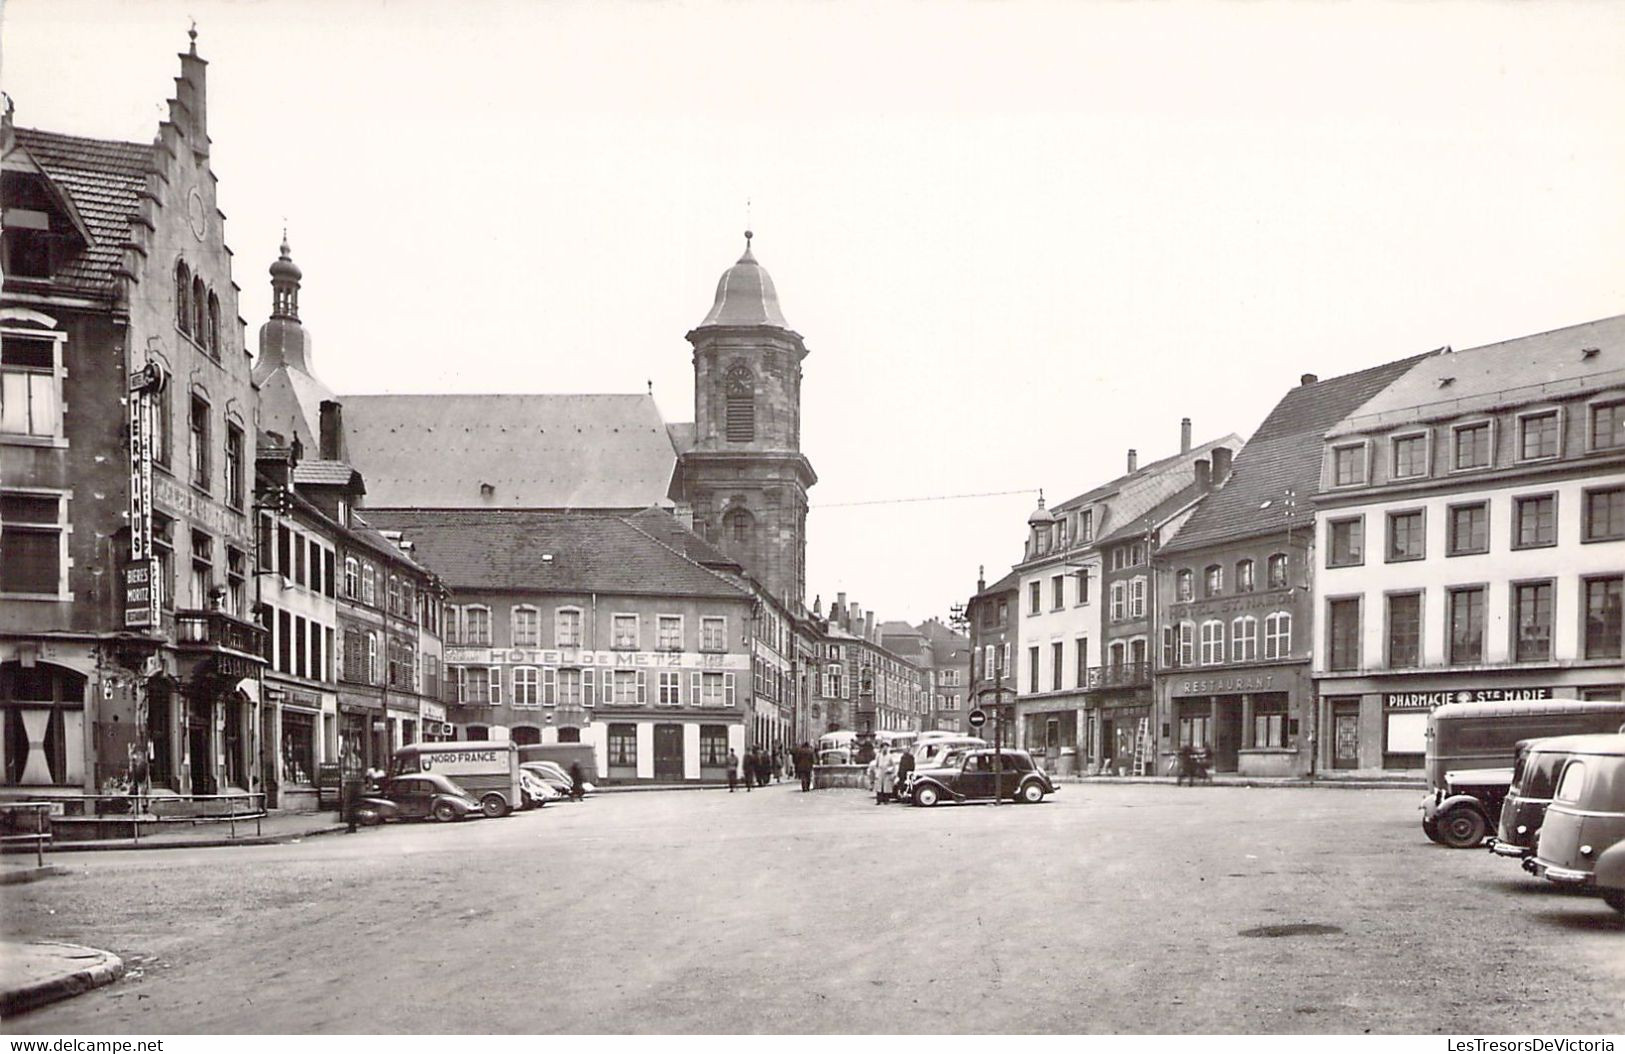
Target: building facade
993 622
1233 600
1470 535
129 658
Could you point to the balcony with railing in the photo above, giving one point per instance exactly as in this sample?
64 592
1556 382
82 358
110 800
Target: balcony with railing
1122 675
201 630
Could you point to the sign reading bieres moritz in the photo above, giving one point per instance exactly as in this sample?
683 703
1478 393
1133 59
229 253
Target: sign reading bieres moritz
668 660
1428 700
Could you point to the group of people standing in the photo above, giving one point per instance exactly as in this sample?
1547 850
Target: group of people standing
760 766
888 773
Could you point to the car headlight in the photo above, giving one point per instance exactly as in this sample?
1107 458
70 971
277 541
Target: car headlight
1523 828
1585 850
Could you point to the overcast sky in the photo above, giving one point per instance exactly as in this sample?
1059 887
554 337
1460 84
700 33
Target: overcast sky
1019 238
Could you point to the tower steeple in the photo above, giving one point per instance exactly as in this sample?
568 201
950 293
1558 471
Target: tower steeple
745 476
285 276
283 339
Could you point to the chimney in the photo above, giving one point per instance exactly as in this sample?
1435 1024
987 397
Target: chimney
1221 464
1308 378
1184 435
332 428
837 610
981 578
1204 474
1133 459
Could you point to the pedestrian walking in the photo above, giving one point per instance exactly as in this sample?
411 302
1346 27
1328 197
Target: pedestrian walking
881 769
733 770
578 782
905 765
803 759
764 768
747 767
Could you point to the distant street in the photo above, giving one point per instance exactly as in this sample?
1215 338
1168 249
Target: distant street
1106 909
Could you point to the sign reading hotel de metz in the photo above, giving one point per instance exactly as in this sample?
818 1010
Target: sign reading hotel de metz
624 660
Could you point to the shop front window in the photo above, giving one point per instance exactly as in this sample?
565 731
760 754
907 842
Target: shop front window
298 748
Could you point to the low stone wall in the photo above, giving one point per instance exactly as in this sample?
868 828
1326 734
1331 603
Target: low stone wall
826 777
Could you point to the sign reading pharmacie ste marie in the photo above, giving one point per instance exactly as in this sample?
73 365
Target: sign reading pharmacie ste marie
1428 700
623 660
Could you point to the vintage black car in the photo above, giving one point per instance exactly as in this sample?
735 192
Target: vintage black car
971 776
416 796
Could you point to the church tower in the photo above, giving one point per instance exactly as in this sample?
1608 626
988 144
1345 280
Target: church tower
745 476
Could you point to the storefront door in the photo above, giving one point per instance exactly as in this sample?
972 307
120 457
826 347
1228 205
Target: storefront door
200 756
1346 735
668 752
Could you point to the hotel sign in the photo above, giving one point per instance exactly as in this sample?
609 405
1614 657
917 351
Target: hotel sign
1428 700
183 501
622 660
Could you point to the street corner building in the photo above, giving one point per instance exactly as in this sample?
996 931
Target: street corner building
1470 536
129 658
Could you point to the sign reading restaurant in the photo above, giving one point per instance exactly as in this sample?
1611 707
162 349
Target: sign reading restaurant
1428 700
1224 685
666 660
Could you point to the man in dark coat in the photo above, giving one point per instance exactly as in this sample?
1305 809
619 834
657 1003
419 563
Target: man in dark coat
803 759
905 765
578 782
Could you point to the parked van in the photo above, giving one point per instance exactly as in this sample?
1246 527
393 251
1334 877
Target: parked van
1470 751
1534 776
488 770
1582 842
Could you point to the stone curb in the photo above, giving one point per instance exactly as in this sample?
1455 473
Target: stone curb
190 843
27 997
19 875
1169 781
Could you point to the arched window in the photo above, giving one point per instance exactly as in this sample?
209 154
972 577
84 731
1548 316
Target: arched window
183 297
1212 580
1244 576
200 310
739 523
739 391
569 735
525 735
1185 587
213 343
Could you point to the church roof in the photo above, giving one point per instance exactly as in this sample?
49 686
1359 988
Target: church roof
551 550
532 451
745 296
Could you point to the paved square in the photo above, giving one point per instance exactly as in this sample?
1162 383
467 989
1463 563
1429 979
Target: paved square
1107 908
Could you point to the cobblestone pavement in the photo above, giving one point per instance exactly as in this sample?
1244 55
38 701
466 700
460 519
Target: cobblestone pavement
1140 908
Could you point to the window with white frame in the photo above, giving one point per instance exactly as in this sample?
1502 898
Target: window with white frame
475 684
477 625
31 384
1244 576
1212 642
372 658
629 687
494 678
369 584
1244 639
717 689
671 688
526 686
352 578
527 627
1136 597
669 633
1184 584
1278 635
624 632
1187 644
713 633
1212 580
570 691
567 628
33 543
1277 571
1119 604
1608 426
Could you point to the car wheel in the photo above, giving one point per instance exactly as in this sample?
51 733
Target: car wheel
1430 827
1615 898
494 805
926 796
1032 793
1462 827
445 812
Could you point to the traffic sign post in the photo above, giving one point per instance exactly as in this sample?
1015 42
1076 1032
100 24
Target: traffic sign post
977 718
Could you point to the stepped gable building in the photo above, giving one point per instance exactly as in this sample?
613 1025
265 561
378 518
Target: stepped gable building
1233 610
581 626
1085 576
1470 540
128 653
